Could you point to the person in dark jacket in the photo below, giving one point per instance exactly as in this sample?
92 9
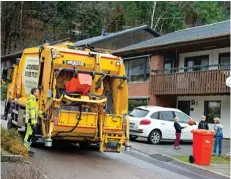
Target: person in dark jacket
203 123
178 129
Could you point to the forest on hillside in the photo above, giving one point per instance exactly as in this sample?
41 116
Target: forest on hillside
28 23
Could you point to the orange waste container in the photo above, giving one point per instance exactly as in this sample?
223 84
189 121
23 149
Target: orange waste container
202 146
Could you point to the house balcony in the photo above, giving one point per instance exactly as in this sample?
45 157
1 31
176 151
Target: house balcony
210 82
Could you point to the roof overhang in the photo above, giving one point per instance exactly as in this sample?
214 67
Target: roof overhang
174 45
118 34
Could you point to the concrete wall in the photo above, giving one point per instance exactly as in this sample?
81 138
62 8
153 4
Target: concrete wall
199 109
213 56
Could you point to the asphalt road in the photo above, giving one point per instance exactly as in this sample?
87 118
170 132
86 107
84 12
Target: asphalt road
68 161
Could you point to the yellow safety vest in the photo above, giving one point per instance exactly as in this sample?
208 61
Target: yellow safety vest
32 111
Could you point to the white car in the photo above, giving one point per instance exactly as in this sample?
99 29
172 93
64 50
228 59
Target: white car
157 123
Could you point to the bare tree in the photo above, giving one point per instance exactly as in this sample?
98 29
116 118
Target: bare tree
153 12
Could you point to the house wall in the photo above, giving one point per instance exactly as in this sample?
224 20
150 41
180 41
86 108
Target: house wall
140 89
199 109
213 56
137 89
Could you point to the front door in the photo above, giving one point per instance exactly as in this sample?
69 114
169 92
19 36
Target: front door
184 106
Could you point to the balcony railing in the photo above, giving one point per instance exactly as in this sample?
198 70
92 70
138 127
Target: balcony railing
189 83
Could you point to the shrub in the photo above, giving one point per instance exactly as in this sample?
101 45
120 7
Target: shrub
3 91
11 142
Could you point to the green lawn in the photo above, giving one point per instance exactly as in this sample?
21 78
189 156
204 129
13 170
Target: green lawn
214 159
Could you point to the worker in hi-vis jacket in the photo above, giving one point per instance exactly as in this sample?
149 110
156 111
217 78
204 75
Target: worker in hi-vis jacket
32 114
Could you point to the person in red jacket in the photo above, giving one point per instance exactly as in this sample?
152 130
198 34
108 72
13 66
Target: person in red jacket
178 129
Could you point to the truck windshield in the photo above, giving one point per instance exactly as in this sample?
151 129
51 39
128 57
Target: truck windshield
137 112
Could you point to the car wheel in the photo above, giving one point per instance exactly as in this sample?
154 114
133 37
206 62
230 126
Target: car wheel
132 137
154 137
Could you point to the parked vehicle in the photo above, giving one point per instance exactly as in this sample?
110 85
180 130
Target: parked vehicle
156 123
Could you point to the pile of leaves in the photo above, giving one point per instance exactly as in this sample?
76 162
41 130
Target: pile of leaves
12 142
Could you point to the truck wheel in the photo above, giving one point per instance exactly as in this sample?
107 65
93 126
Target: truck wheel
191 159
132 137
94 146
154 137
10 124
83 145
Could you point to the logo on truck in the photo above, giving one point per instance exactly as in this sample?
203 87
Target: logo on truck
31 73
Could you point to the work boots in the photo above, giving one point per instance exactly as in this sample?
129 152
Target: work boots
31 153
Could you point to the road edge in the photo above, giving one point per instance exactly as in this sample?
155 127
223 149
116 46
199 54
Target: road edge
11 158
29 163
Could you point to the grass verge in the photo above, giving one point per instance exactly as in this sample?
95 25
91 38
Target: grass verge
11 142
214 159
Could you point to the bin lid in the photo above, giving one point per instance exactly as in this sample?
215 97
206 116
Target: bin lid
203 132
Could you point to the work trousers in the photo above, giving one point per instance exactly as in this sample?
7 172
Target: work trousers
28 137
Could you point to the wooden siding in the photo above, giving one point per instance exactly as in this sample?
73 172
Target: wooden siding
190 83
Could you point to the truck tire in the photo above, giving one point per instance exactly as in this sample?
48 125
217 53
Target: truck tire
132 137
10 124
83 145
154 137
35 138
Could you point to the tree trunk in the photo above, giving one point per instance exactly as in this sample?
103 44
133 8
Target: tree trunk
20 21
153 13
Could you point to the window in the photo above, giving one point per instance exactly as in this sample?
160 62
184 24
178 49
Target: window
212 110
167 65
167 115
132 103
155 115
138 113
183 117
224 60
198 61
137 69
